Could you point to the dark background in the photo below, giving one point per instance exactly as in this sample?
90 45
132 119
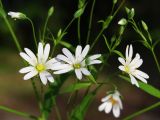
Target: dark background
16 93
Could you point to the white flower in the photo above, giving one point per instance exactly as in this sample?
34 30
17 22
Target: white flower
111 102
78 63
16 15
38 65
130 66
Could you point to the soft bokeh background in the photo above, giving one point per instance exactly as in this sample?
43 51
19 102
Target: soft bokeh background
18 94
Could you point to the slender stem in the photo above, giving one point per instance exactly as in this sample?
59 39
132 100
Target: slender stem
13 34
44 30
18 112
119 8
79 30
90 22
155 58
100 33
1 4
36 94
142 111
33 29
96 40
57 112
68 25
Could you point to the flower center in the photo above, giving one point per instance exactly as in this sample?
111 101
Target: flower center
77 66
127 69
113 101
40 67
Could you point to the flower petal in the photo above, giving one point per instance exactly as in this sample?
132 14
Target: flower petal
78 51
40 52
46 75
121 60
26 69
30 74
27 58
60 66
134 61
121 68
127 51
63 70
85 71
93 57
141 78
31 55
108 107
106 98
63 58
78 73
116 110
133 80
46 52
102 106
49 64
85 51
130 52
94 62
43 77
68 54
142 74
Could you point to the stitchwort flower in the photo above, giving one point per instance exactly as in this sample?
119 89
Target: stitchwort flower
39 65
78 63
17 15
111 102
130 66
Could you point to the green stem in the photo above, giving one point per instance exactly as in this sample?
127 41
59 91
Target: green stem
79 30
18 112
96 40
100 33
155 58
90 22
33 30
36 94
119 8
1 4
68 25
44 30
57 112
13 35
142 111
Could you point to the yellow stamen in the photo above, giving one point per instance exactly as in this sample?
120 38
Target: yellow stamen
77 66
113 101
126 69
40 67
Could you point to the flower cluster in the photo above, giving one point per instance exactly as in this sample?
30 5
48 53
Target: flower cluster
111 102
131 66
41 65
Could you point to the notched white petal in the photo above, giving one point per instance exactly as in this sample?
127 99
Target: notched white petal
30 74
78 51
78 73
85 51
26 69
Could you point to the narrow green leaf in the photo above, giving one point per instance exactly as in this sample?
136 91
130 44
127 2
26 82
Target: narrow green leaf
50 11
145 87
106 41
2 13
74 87
91 78
67 45
79 111
118 53
107 22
